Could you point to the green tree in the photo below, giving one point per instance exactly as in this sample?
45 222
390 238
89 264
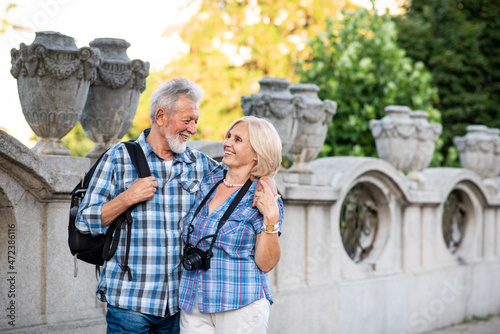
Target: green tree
460 43
357 63
235 43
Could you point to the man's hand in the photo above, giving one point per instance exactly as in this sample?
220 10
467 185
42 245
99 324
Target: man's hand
141 190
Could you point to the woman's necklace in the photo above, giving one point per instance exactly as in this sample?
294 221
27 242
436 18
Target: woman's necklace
232 185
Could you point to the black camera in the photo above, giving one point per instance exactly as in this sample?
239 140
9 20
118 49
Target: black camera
194 258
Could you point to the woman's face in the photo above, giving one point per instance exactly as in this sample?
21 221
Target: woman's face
238 151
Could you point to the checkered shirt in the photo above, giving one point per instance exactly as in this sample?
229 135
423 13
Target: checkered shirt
233 280
155 249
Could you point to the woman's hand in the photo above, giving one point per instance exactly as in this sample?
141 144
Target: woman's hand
267 246
267 203
270 181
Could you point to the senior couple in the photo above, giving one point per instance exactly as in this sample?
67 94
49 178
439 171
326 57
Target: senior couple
204 234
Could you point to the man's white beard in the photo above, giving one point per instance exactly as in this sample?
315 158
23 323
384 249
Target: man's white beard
175 144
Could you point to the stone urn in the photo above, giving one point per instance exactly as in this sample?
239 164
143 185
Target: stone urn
494 171
476 150
427 135
313 118
113 95
275 103
53 79
395 138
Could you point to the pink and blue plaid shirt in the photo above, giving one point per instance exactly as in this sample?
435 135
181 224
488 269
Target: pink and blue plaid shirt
233 280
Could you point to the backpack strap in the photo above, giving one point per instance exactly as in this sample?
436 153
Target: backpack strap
114 231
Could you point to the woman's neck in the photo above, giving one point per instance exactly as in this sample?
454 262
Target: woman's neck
237 177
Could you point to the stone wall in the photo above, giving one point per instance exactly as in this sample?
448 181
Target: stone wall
37 282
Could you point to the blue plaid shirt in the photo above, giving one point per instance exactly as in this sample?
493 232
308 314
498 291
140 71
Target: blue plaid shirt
155 249
233 280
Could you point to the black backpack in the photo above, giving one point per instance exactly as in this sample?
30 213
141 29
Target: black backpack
97 249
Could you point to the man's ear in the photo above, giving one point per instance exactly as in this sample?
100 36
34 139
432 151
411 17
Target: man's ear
161 117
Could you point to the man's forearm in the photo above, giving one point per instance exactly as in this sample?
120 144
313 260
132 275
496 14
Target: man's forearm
113 209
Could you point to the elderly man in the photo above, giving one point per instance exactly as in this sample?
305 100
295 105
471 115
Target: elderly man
149 302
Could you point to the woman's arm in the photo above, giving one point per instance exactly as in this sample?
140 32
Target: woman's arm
267 245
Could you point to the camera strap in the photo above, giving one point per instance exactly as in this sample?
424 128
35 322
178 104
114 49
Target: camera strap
226 215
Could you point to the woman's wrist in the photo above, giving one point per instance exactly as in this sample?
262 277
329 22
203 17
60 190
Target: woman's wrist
270 228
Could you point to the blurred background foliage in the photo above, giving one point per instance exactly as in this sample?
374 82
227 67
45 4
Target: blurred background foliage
459 41
357 63
441 56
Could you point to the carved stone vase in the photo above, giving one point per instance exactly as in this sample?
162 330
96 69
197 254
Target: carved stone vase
275 103
395 138
313 118
53 79
113 95
495 166
476 150
427 135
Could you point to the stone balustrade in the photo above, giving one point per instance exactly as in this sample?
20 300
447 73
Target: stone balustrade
363 249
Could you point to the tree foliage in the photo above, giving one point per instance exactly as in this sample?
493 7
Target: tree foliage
235 43
357 62
232 45
460 43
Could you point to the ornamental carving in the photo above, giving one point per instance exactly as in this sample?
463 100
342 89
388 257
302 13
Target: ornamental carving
312 125
395 137
275 103
53 79
113 95
479 151
38 60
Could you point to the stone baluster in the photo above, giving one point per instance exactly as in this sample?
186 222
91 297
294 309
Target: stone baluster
53 79
476 150
395 137
113 95
313 119
427 135
275 103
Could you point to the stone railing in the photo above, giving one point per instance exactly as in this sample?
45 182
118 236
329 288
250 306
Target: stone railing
368 246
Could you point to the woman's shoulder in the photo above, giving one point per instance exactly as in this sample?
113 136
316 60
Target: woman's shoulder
210 180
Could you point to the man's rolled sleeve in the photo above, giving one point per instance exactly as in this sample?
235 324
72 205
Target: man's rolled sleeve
101 190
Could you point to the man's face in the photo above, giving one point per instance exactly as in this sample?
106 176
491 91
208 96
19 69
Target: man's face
182 124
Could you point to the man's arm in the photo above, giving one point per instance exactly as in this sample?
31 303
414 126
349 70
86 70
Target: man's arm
103 204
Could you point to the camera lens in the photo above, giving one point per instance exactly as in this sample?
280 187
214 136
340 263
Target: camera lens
191 262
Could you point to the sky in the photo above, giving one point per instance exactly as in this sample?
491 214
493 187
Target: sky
141 23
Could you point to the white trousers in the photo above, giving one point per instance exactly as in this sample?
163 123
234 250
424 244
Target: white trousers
250 319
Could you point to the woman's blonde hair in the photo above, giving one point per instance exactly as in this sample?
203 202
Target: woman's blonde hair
266 143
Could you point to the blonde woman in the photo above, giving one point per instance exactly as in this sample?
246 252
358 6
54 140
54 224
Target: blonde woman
224 284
